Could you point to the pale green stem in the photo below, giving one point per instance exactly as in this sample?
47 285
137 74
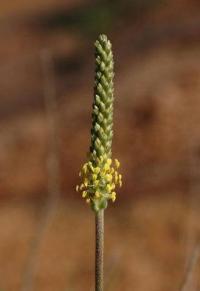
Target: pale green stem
99 224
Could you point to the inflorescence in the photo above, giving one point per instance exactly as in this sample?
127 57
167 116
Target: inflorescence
100 174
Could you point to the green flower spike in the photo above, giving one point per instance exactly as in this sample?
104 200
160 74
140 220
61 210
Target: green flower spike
100 174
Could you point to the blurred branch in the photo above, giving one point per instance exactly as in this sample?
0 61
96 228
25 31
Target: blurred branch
53 161
187 280
53 168
193 195
193 248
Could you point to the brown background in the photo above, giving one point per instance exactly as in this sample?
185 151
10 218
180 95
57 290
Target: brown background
46 230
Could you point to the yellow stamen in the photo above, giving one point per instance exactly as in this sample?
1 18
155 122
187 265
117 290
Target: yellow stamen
97 194
109 177
86 183
116 177
108 187
81 187
85 168
117 163
113 196
91 166
106 167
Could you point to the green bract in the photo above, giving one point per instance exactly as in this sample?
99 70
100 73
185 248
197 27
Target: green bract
102 115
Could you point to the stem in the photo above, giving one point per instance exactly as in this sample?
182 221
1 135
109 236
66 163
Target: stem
99 223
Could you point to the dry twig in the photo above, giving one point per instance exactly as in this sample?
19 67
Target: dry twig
53 169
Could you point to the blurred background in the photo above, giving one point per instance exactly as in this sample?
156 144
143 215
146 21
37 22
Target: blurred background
46 91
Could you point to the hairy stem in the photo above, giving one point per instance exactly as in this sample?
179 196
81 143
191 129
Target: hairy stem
99 224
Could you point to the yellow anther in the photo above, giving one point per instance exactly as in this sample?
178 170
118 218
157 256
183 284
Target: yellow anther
106 167
120 177
117 163
91 166
108 187
88 200
113 196
109 162
84 194
77 188
94 176
81 187
86 183
109 177
120 183
97 194
85 168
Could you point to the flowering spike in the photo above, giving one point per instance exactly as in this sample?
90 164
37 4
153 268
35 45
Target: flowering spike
100 174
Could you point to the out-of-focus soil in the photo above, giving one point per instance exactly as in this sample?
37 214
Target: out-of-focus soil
142 251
